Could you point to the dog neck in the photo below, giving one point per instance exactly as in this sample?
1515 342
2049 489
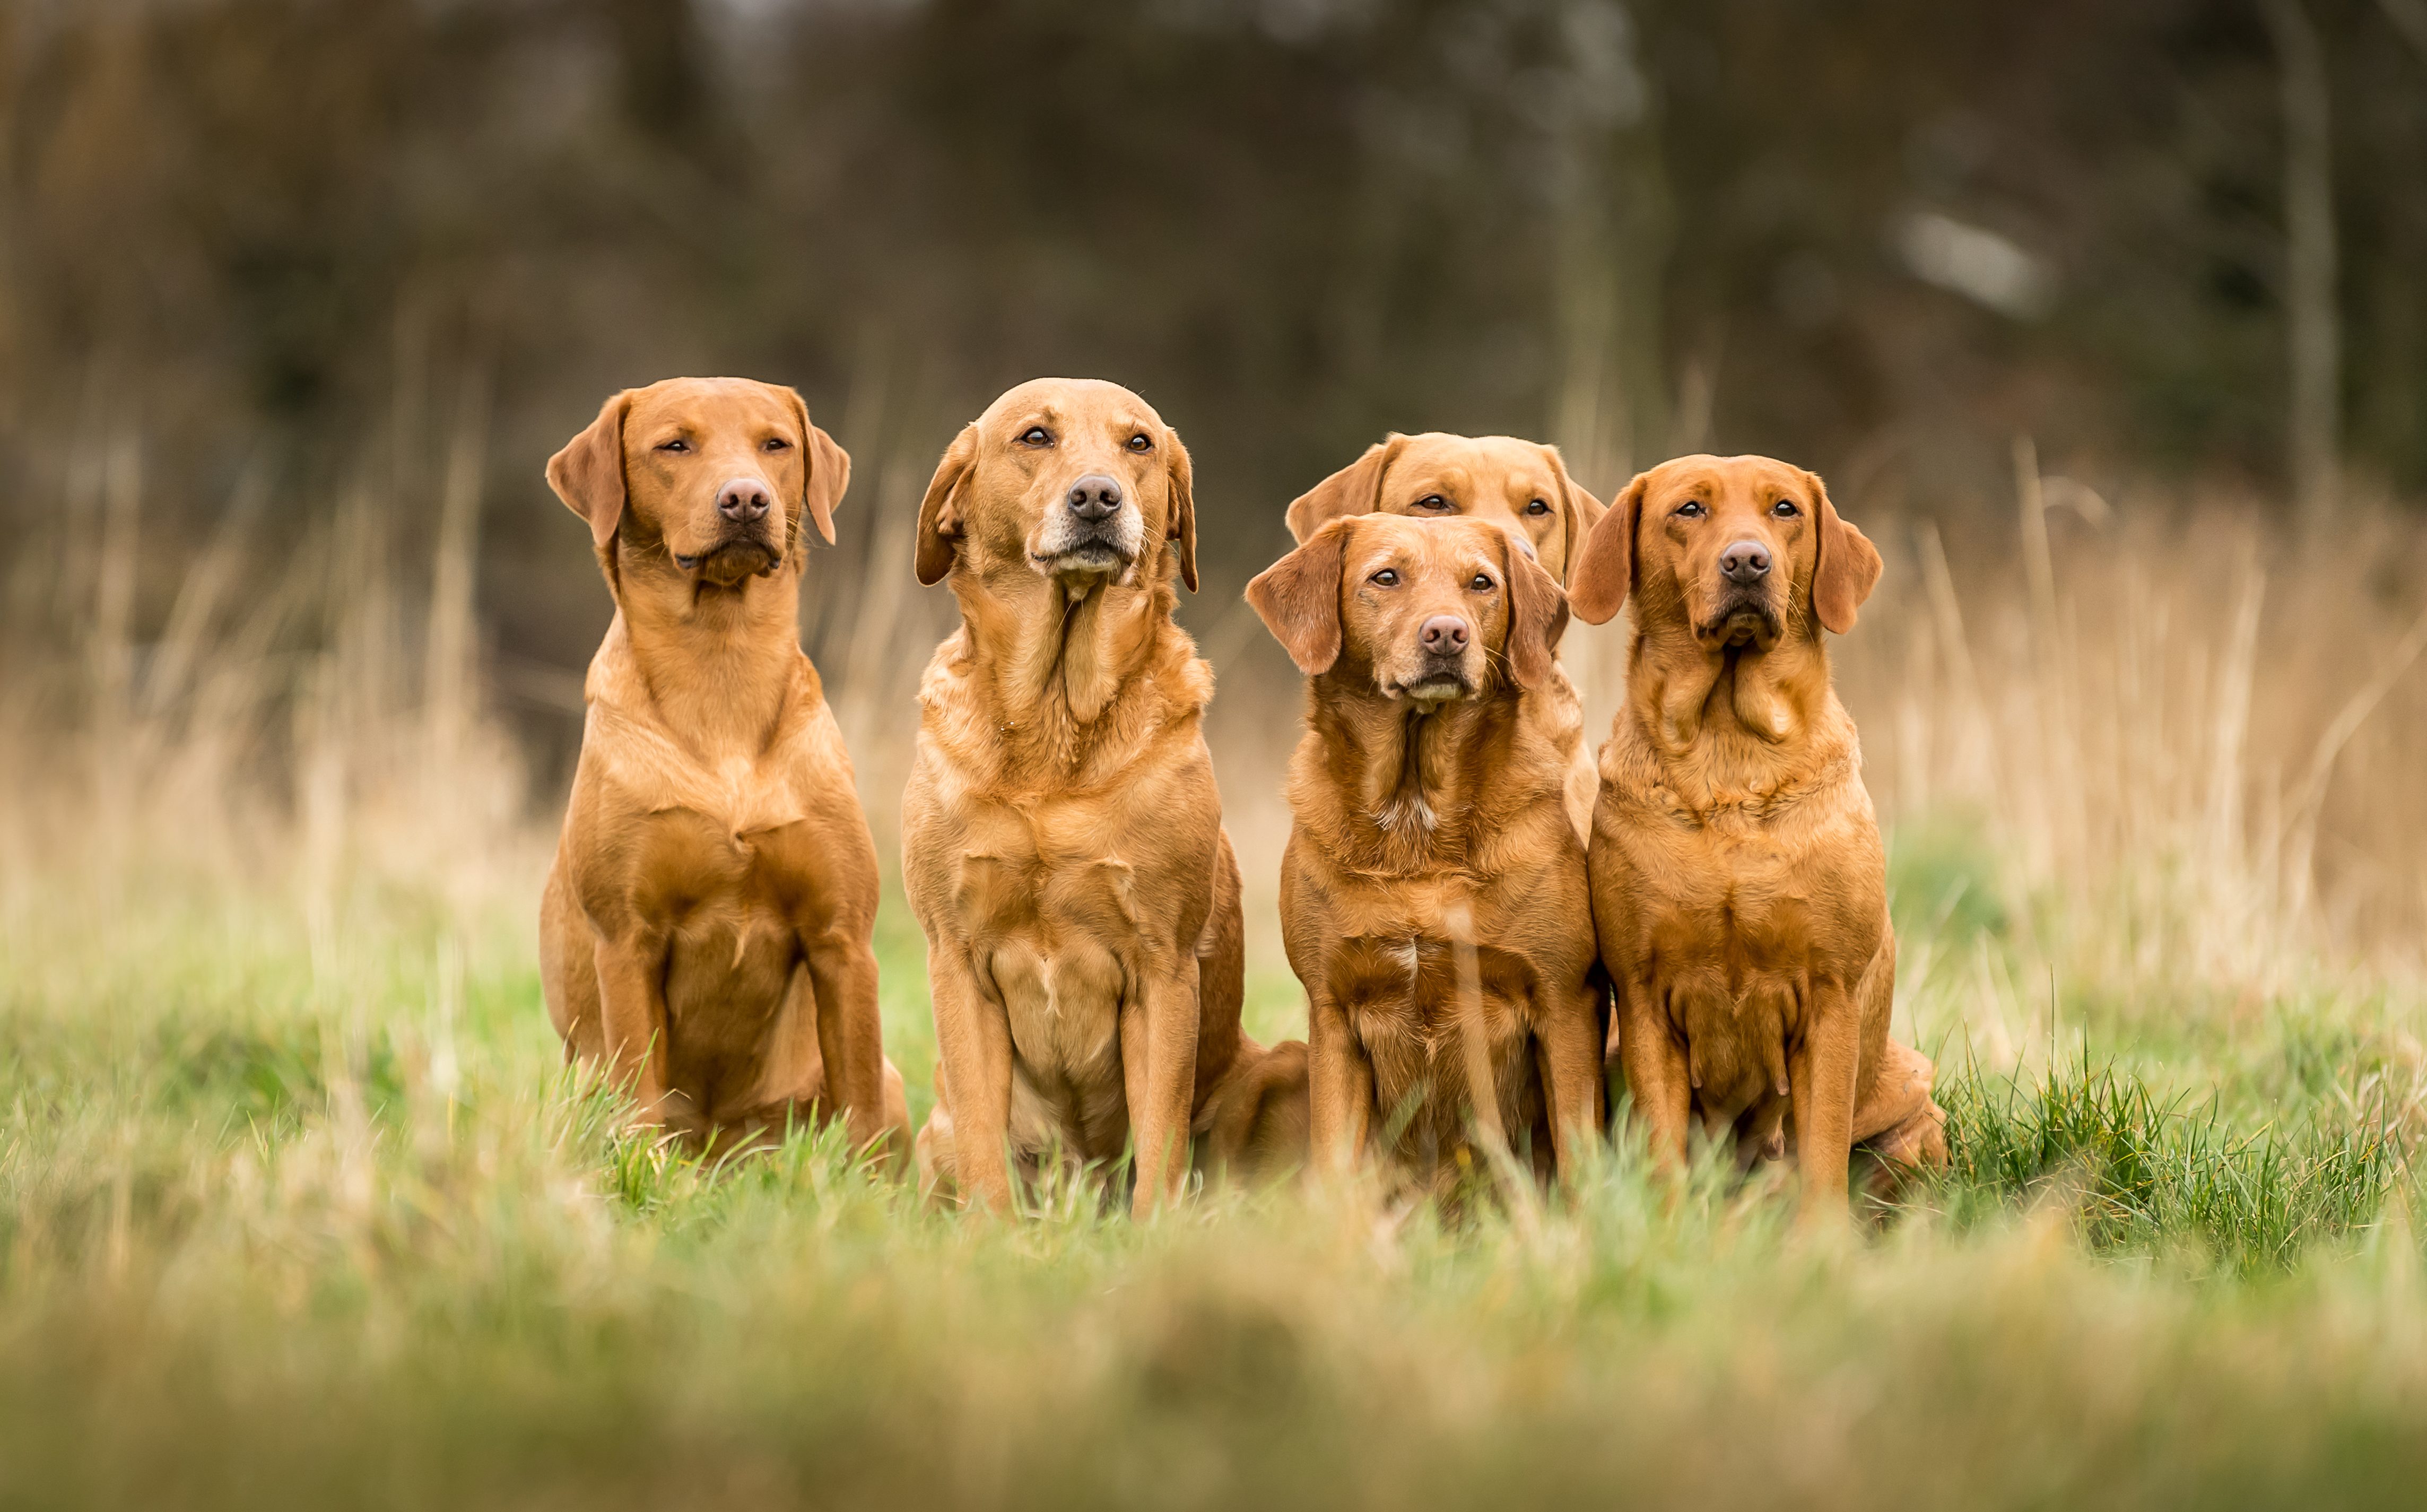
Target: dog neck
1727 723
1059 666
1405 779
714 666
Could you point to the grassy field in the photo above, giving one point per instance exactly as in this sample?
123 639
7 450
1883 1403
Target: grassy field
297 1205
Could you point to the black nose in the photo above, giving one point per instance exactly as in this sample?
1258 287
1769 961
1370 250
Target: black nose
743 499
1746 561
1443 634
1095 498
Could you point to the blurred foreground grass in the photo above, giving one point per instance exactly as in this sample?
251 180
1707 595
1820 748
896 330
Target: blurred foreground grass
299 1207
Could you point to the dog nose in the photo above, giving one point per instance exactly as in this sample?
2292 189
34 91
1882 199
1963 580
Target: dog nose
743 499
1746 561
1443 634
1095 498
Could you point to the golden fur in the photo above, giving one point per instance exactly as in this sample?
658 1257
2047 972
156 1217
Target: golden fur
1061 838
1738 883
705 932
1433 894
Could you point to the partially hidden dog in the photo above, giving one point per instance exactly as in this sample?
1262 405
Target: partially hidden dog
705 932
1062 839
1738 883
1524 484
1433 894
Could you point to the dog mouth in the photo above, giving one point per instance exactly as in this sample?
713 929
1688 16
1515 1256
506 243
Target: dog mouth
1093 554
1742 619
1433 687
730 562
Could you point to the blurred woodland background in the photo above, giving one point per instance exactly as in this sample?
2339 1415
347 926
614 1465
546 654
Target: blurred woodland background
300 294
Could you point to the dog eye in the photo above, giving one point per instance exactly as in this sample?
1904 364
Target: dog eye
1140 443
1037 435
1692 509
678 444
777 444
1385 579
1482 583
1537 507
1785 509
1432 501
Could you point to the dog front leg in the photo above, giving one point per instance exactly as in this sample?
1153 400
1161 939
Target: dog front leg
973 1043
1569 1048
1159 1075
1656 1075
633 1020
1342 1084
1821 1084
851 1039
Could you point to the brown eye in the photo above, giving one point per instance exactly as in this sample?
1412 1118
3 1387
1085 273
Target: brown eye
1785 509
1140 443
1387 577
1482 583
1432 501
777 444
1537 507
678 444
1037 435
1691 510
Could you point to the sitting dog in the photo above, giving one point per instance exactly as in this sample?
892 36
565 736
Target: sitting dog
705 932
1433 895
1062 839
1738 882
1525 485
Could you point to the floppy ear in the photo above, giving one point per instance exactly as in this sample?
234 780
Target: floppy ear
1181 480
1579 511
588 472
939 512
1846 567
1298 599
1537 616
825 469
1602 576
1355 489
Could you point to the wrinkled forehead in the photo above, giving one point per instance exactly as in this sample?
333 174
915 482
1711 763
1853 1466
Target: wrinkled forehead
1486 468
1420 547
706 404
1758 482
1069 402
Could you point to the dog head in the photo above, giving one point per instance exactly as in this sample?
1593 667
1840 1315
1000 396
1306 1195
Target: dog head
1737 551
708 478
1075 479
1522 483
1433 611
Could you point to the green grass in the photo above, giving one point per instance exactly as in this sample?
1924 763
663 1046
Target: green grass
322 1219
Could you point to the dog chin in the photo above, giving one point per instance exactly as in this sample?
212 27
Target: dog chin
1742 623
1088 559
1433 689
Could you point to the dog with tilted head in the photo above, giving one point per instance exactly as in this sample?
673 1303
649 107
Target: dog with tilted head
1738 883
705 932
1061 838
1433 894
1522 484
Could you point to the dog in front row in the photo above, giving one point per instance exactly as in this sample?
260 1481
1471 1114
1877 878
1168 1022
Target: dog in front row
1062 839
1738 883
1433 895
705 932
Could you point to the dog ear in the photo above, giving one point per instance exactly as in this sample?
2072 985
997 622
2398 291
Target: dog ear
588 472
1355 489
1602 576
1845 568
825 469
1298 599
1579 511
1181 480
1537 616
939 512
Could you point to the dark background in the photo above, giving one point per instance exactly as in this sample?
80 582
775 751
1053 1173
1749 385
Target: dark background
293 251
